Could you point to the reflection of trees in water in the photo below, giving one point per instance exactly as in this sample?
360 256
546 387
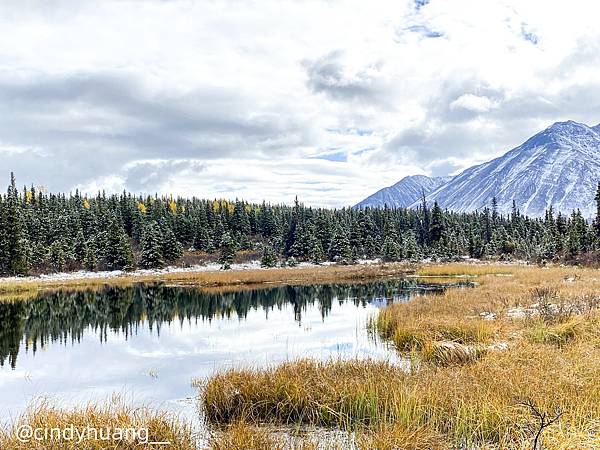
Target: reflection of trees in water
64 316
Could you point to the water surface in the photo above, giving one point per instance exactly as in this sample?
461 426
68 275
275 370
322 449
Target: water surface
147 342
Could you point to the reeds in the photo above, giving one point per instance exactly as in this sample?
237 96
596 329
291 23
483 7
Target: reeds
243 436
142 426
480 365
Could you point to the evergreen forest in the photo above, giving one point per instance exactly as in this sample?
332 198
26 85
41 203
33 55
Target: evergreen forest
43 232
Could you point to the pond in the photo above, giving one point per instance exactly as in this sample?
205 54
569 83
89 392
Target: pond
149 341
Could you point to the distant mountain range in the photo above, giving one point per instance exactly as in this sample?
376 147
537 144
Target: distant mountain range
404 193
559 166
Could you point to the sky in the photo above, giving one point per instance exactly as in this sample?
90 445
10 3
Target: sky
327 100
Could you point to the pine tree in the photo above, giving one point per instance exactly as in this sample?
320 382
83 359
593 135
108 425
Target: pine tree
90 261
171 249
495 216
410 246
315 249
476 246
202 240
339 250
117 254
227 251
597 221
4 249
79 247
269 256
57 255
16 242
151 247
436 225
574 242
370 247
391 250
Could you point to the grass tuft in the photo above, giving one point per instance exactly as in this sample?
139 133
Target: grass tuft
558 335
160 426
488 350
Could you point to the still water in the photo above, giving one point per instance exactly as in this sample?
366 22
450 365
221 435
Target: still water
148 342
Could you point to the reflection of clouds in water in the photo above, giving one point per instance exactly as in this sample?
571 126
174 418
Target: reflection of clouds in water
157 368
89 370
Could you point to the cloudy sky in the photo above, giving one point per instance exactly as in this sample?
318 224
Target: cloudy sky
328 100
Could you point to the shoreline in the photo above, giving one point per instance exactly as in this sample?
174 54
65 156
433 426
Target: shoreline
210 276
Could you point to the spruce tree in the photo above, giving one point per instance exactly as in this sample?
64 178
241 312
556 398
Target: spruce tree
410 246
269 256
16 242
57 255
315 250
202 240
424 221
370 247
4 255
60 232
391 250
597 221
476 246
339 250
171 249
574 242
79 246
436 225
227 251
151 247
90 261
117 253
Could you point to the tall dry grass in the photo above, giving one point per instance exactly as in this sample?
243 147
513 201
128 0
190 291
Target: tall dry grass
219 279
161 427
546 321
244 436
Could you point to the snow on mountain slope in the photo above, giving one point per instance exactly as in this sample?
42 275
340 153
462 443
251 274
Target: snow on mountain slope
403 193
559 166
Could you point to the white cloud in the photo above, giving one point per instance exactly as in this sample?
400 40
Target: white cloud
476 103
329 100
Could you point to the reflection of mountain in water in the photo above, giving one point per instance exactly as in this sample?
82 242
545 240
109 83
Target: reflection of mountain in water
64 316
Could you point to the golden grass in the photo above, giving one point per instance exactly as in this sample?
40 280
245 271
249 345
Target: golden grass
242 436
560 334
214 279
395 437
413 333
466 269
306 392
161 427
547 322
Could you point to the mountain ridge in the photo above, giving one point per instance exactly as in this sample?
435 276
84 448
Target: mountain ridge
558 166
403 193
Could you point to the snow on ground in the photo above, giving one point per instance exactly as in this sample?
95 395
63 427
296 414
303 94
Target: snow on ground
211 267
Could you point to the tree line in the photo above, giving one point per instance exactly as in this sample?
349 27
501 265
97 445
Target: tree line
45 232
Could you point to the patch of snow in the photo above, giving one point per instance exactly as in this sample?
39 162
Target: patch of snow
486 315
500 346
211 267
518 313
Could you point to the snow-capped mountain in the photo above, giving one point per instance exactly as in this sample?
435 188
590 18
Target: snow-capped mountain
403 193
559 166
